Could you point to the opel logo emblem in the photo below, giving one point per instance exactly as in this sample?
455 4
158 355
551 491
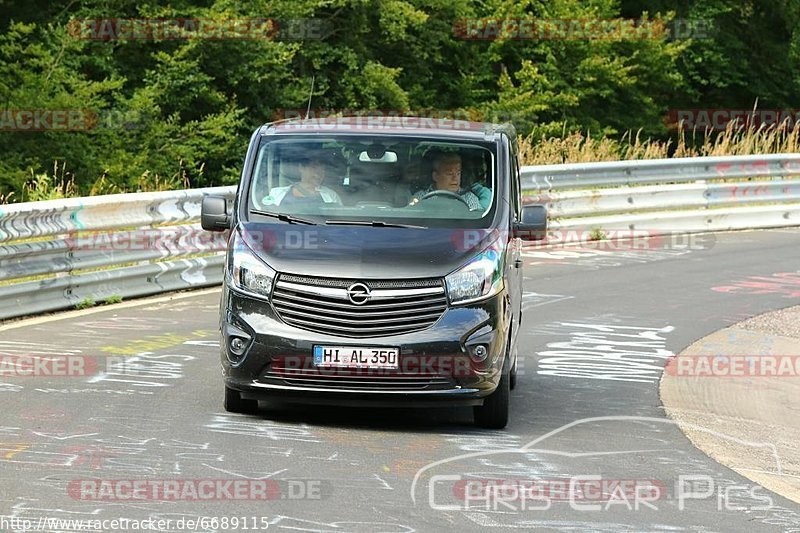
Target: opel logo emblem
358 293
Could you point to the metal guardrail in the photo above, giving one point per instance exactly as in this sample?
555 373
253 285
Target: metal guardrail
56 254
659 196
651 171
59 253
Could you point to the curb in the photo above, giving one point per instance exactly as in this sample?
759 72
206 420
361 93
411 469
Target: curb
743 382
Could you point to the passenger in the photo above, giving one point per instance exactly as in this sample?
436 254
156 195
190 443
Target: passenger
446 176
309 190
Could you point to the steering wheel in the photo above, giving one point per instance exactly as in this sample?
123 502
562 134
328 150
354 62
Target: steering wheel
446 194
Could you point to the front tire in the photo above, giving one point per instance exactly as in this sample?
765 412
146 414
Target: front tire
234 403
493 414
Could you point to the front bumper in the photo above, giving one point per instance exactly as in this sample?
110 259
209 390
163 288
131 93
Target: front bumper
435 367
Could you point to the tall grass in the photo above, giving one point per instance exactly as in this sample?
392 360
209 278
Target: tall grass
61 184
577 147
53 186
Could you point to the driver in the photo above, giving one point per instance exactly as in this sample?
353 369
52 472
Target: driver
309 189
447 177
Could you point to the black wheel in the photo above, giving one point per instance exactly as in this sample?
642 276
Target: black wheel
493 414
234 403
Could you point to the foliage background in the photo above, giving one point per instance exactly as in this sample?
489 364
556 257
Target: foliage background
177 113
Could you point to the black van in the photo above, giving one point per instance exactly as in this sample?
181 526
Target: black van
375 262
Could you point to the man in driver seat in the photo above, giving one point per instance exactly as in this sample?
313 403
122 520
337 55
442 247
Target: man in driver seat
446 176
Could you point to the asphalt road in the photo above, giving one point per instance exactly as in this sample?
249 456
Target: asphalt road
599 326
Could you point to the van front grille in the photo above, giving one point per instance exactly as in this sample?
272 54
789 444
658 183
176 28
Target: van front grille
390 307
350 379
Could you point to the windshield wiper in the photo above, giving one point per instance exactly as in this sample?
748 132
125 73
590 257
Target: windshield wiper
291 219
374 223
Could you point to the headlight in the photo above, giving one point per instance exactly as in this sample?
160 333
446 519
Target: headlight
248 272
480 278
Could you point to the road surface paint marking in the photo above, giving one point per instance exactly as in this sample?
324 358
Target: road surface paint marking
534 299
254 427
155 342
10 449
126 392
134 370
104 309
786 283
607 352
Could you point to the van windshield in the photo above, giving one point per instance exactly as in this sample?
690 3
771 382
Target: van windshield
375 179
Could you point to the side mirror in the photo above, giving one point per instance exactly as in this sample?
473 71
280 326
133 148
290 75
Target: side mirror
214 213
533 226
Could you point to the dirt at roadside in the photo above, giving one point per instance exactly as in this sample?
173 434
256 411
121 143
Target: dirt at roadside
742 410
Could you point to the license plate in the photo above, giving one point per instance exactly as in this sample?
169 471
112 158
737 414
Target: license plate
355 357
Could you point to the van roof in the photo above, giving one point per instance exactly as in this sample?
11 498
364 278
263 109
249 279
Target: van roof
392 125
